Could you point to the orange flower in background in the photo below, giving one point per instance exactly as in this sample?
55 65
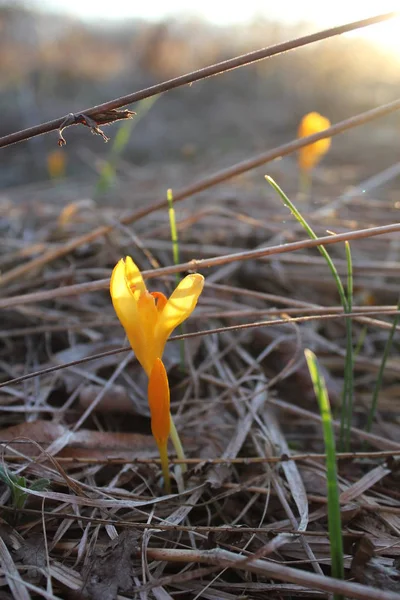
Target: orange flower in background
56 164
310 155
149 318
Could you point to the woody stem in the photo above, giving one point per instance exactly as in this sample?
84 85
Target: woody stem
177 444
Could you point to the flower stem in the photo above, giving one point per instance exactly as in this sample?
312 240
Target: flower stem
162 448
305 183
177 444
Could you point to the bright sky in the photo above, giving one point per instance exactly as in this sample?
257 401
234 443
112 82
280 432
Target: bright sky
322 14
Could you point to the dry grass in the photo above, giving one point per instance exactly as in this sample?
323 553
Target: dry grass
246 398
250 519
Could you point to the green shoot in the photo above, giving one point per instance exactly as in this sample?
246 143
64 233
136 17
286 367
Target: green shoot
334 515
108 171
360 342
312 235
16 482
344 299
175 254
378 384
347 395
176 440
174 231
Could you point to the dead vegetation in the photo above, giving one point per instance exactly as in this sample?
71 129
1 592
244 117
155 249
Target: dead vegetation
245 397
250 518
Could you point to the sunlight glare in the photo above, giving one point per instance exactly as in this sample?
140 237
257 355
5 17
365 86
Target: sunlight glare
386 35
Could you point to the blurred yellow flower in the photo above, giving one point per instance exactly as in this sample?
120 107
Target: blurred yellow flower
310 155
67 214
56 164
149 318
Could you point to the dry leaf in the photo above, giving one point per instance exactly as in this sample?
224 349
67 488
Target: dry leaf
112 569
33 553
82 443
114 399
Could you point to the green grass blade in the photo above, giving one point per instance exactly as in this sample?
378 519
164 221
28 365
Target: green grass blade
109 169
312 235
360 342
348 387
348 392
121 140
174 231
379 379
175 254
349 276
334 515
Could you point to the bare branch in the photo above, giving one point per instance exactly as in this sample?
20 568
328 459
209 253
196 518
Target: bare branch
222 67
274 570
204 332
200 186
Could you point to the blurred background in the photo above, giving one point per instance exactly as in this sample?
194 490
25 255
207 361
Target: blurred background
61 56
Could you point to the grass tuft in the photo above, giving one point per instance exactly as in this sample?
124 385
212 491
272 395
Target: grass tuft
347 303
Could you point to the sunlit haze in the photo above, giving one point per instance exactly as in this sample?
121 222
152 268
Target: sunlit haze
315 12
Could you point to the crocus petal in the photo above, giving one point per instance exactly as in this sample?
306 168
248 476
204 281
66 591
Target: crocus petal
133 276
146 351
312 123
310 155
159 402
149 319
126 308
118 286
161 300
179 307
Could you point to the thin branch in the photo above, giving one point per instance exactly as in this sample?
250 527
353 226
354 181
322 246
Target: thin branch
274 570
200 186
163 525
76 325
203 332
252 460
102 284
210 71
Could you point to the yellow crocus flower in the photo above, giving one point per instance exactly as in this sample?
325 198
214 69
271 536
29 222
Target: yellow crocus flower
149 318
310 155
